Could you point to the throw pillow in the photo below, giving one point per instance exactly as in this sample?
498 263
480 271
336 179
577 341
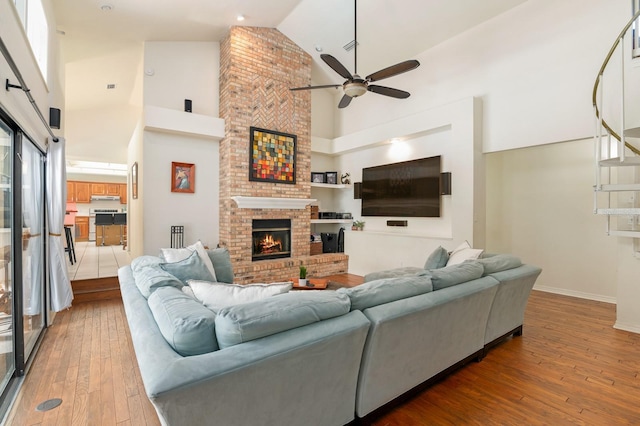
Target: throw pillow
175 255
216 296
222 264
151 277
463 252
185 324
455 274
437 259
191 268
250 321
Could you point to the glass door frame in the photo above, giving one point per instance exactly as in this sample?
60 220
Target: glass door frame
21 361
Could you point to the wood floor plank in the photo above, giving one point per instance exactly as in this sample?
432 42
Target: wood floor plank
569 367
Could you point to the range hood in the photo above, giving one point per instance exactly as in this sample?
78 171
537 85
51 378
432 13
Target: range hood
105 198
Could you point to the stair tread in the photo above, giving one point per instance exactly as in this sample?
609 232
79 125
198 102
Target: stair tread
619 187
619 211
615 162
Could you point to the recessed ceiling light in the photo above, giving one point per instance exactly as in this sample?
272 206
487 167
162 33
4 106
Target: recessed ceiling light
106 7
240 18
318 48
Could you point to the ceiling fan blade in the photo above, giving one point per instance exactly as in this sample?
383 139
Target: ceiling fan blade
336 66
345 101
388 91
394 70
326 86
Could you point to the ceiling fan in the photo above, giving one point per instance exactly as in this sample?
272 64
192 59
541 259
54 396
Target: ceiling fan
355 85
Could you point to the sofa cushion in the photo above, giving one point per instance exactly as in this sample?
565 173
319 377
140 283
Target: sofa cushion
143 261
191 268
187 326
222 264
455 274
393 273
149 277
216 296
498 263
250 321
172 255
463 252
386 290
437 259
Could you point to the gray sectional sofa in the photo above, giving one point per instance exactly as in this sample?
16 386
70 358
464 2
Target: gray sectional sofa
314 357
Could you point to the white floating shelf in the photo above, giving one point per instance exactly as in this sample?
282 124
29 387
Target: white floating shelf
331 220
329 185
272 203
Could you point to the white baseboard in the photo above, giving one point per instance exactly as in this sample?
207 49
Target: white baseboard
579 294
633 328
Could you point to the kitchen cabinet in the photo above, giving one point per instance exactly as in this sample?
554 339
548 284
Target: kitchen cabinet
82 192
123 193
71 192
113 189
98 188
82 228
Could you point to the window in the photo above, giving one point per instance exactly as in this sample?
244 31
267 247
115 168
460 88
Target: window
34 21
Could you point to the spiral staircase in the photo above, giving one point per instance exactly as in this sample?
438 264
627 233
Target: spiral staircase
617 136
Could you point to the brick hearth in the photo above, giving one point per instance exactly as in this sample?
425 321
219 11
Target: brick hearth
257 68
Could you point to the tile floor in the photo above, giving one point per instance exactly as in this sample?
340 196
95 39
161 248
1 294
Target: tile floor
96 261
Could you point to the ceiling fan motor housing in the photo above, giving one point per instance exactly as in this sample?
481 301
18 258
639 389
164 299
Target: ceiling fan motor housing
356 87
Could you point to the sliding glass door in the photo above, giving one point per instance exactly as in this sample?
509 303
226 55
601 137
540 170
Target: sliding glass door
7 353
22 254
32 244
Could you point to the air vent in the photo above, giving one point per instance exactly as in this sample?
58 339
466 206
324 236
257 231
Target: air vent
349 46
111 86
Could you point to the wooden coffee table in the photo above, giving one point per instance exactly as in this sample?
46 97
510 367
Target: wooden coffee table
316 284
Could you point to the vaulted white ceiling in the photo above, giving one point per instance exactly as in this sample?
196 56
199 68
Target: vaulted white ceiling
102 43
102 39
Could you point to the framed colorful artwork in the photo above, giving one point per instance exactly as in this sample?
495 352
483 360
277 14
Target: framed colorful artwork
272 156
183 177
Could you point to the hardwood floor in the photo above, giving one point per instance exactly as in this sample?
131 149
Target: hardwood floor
569 367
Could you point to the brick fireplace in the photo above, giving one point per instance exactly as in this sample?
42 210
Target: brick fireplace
257 68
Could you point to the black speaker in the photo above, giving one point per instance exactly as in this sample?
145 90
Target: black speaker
54 118
397 223
445 183
187 105
329 242
357 191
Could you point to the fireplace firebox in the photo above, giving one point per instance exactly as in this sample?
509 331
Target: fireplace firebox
271 239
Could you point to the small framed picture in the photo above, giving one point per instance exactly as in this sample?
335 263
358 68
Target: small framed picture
318 177
332 177
183 177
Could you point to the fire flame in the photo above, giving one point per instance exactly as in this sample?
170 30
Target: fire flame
269 245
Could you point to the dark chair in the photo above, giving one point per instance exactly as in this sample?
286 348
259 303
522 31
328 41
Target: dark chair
177 236
104 219
120 219
70 248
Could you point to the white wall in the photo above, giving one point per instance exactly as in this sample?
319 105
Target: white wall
533 67
540 207
135 207
197 212
43 88
175 71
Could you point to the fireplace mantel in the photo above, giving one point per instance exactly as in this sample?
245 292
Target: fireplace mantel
272 203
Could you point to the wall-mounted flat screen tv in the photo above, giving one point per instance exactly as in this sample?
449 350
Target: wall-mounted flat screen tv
406 189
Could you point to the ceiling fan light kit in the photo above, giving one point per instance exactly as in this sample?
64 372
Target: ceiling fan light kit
355 86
